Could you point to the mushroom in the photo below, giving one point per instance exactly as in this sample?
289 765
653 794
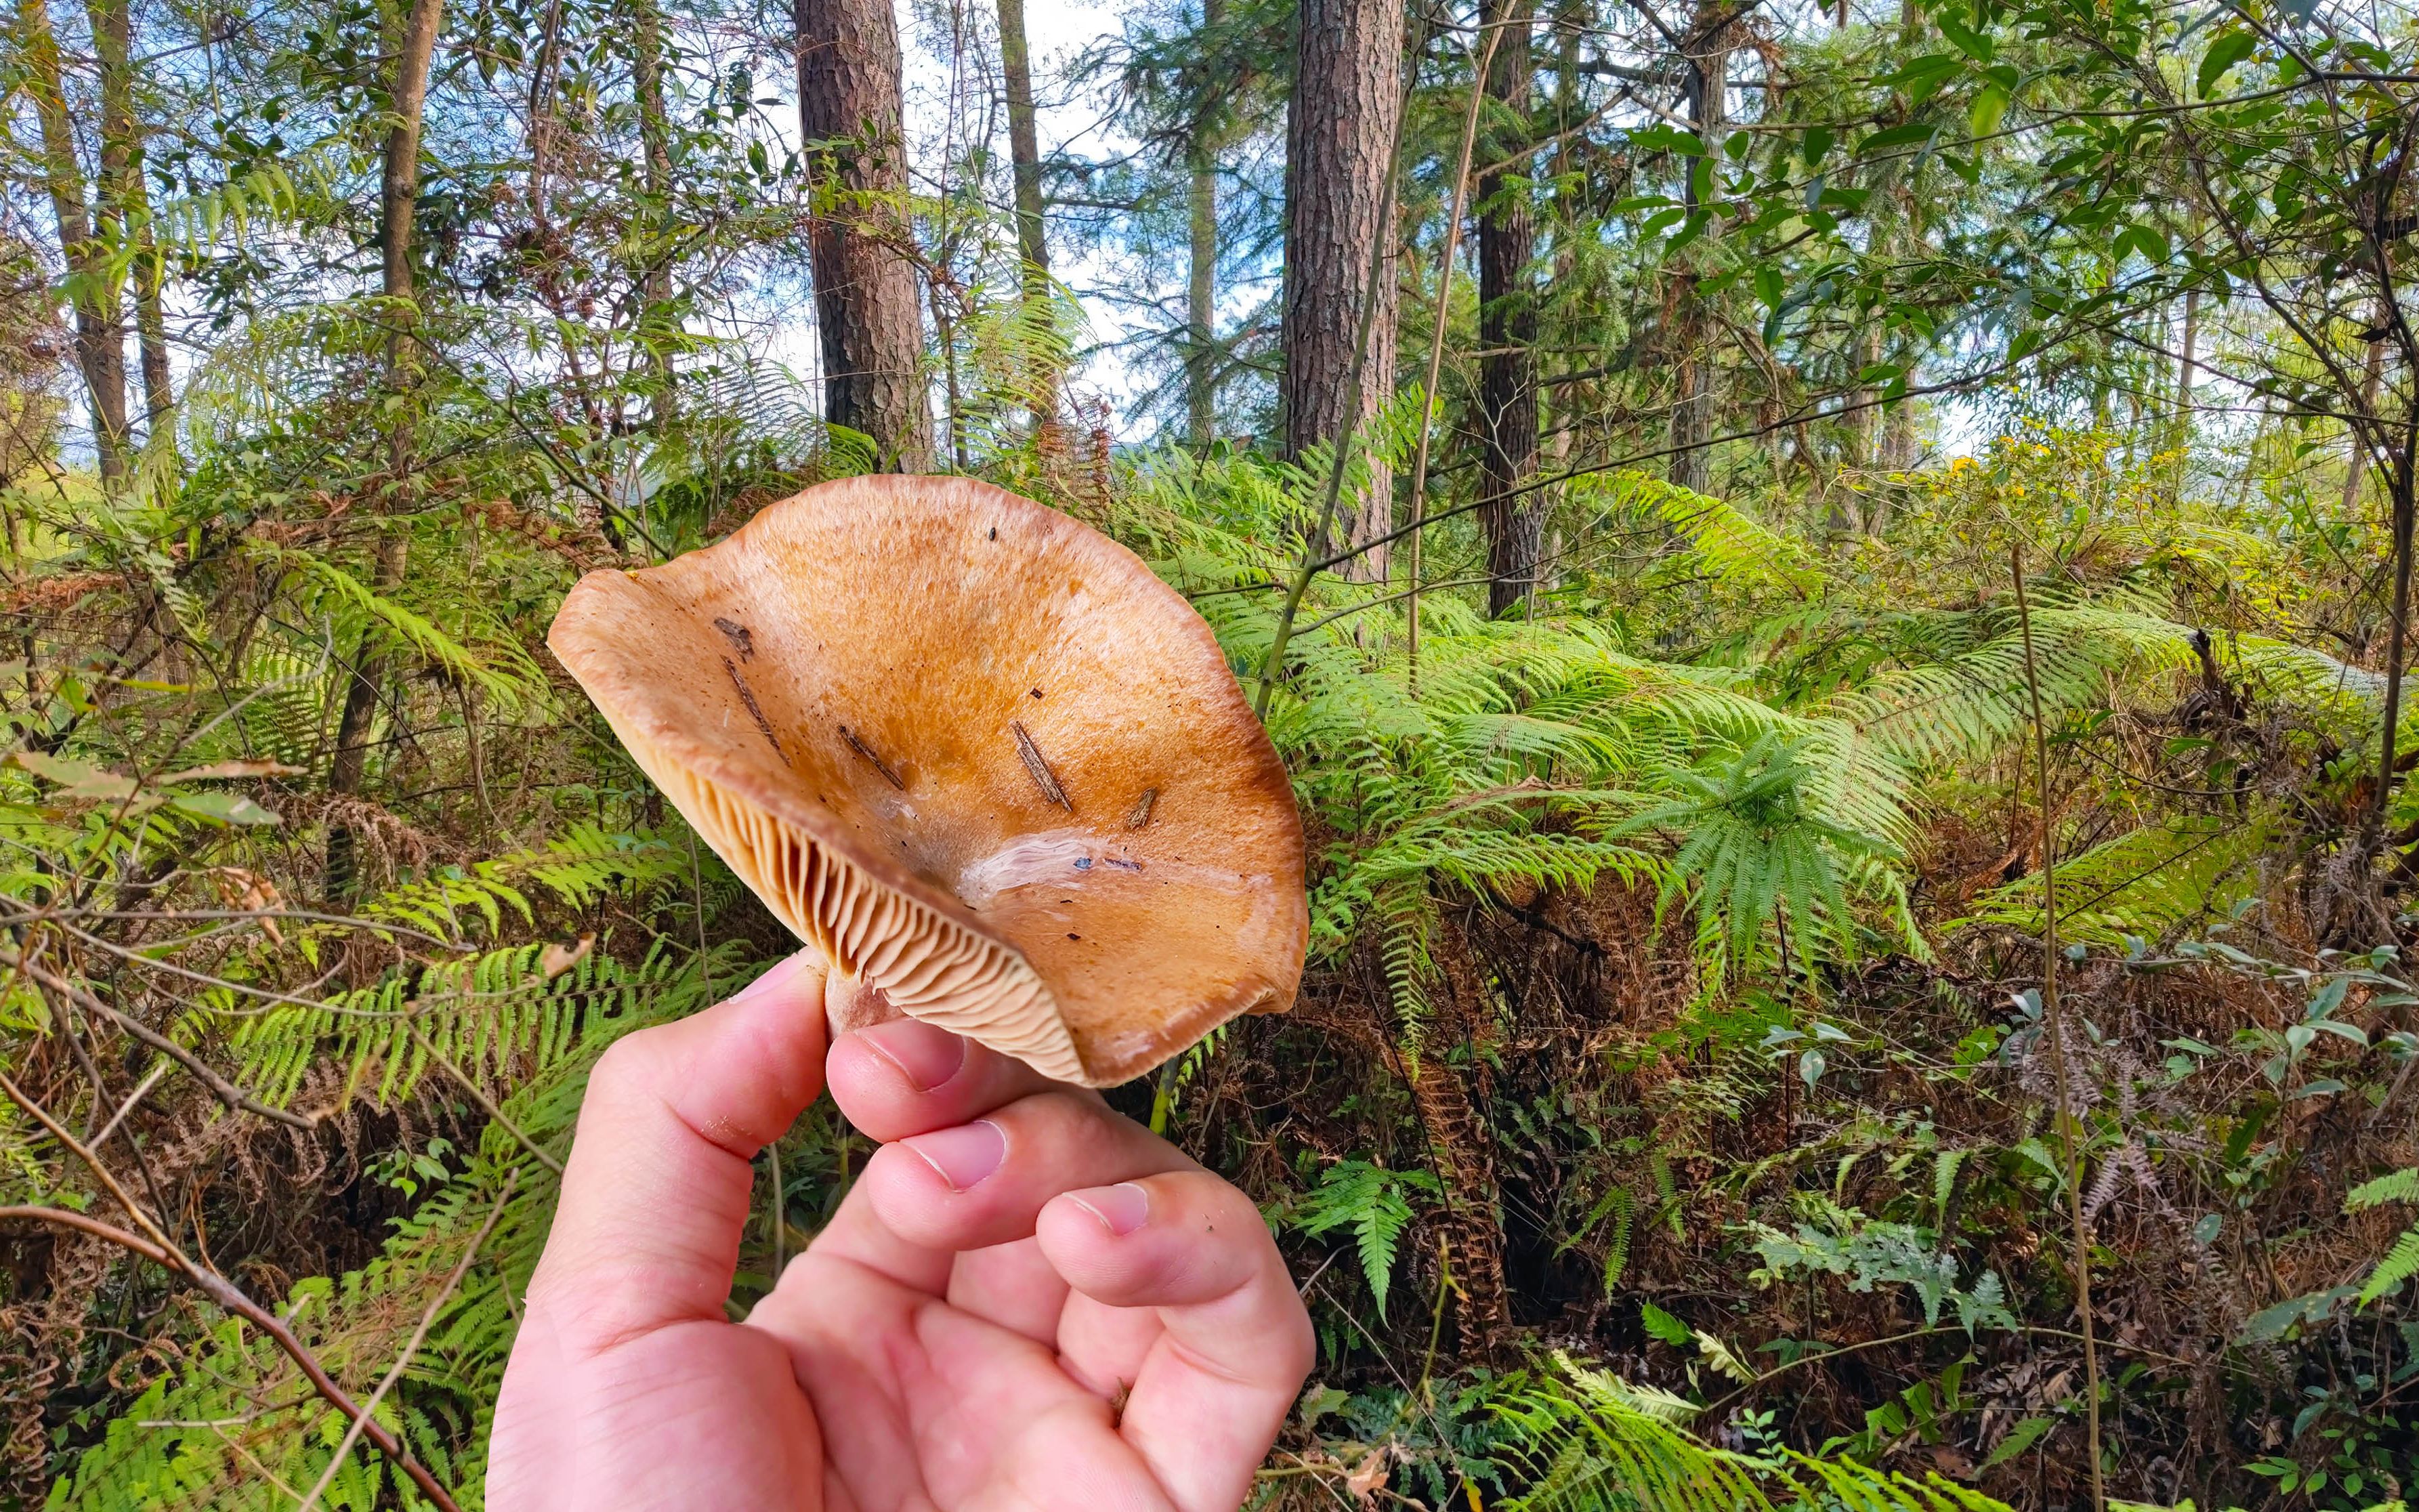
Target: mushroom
973 751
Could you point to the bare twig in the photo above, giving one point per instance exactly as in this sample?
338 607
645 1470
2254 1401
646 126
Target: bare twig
1485 59
225 1090
2054 1023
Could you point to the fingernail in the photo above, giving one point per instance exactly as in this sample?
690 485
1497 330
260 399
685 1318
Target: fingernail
965 1155
925 1054
773 980
1121 1209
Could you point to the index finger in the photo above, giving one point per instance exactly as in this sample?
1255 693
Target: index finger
656 1192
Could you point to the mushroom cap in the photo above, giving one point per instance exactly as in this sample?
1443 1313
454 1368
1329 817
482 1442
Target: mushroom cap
976 754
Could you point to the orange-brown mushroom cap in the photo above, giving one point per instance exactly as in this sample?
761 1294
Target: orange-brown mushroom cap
973 751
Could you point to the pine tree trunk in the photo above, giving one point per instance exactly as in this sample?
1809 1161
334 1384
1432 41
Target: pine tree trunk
399 206
1201 291
1513 523
1339 139
1692 413
867 307
1023 144
99 344
655 169
125 200
1024 165
1201 304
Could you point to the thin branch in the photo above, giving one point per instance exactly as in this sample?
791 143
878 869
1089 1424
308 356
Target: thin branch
486 1104
2053 1021
225 1090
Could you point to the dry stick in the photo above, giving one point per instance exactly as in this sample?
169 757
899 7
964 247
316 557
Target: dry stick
1381 244
411 1345
225 1090
2053 1018
155 1245
1436 333
141 1090
486 1104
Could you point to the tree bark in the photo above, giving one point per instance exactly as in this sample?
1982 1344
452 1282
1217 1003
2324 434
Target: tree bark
100 344
398 206
1201 303
1692 414
655 170
1024 166
1201 249
125 200
860 245
1339 139
1513 523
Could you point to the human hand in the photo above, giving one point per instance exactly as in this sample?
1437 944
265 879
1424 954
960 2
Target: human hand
1026 1301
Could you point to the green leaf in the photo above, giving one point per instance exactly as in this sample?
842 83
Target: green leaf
1989 106
2228 50
2020 1437
222 807
1664 1326
1898 136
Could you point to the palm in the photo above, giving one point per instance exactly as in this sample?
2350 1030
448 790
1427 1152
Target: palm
1004 1334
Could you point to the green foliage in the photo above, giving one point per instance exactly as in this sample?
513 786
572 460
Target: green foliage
1374 1204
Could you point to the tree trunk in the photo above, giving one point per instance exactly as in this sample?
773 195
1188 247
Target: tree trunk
125 199
101 348
1339 139
655 169
860 245
1201 303
398 204
1514 522
1692 414
1201 291
1025 163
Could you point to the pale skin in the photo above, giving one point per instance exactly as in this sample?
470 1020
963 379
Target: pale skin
1026 1301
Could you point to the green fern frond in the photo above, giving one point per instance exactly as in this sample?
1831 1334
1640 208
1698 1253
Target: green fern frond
2145 883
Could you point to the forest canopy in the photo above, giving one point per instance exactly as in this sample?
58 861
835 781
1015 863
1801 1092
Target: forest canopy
1833 585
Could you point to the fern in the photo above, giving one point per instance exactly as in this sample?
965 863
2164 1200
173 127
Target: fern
2146 884
224 1428
1584 1441
1369 1201
2401 1261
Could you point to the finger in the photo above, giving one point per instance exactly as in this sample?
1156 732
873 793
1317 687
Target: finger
1013 1286
907 1077
983 1184
918 1179
1211 1390
657 1191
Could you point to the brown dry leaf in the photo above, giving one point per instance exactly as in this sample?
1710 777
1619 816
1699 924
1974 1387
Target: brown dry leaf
1368 1477
240 888
556 959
